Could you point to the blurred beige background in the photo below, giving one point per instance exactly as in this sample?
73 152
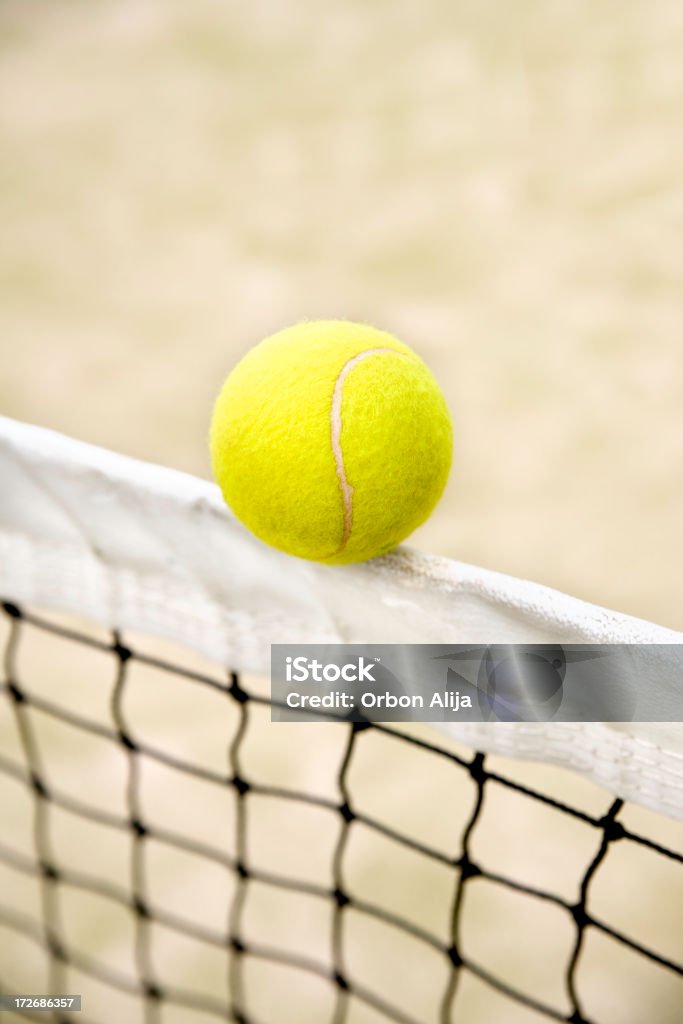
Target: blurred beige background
497 183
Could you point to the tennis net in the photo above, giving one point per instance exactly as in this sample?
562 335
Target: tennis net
173 855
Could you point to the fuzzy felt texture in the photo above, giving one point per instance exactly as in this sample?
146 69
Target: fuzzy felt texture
331 441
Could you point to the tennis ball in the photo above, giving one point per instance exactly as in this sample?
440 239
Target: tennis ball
331 441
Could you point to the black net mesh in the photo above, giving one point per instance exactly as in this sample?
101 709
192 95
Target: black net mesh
438 962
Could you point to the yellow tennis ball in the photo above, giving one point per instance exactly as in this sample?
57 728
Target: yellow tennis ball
331 440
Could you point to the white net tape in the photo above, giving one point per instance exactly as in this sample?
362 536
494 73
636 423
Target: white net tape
136 546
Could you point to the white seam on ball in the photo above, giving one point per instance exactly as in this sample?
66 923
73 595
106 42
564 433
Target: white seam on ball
335 431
